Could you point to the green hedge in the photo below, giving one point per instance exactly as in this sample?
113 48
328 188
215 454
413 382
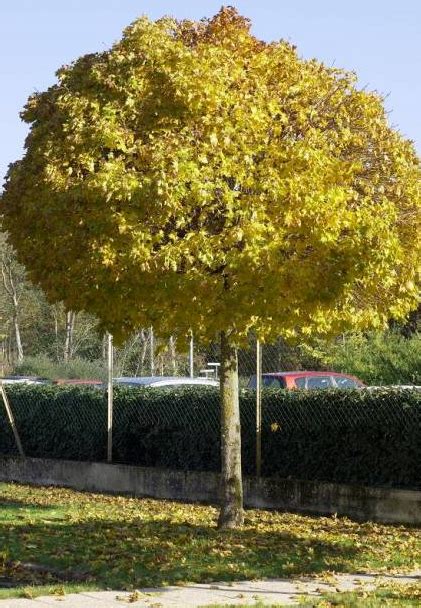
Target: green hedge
56 422
365 437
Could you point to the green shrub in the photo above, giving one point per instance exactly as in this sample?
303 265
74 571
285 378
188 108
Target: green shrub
363 437
44 367
378 358
57 421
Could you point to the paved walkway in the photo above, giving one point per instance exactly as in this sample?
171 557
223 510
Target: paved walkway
279 592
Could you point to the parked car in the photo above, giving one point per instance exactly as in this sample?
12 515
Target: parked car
394 387
23 380
164 381
307 380
78 382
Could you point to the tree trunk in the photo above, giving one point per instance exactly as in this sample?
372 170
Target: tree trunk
173 357
14 291
152 351
55 314
231 514
105 348
70 325
144 345
18 339
9 348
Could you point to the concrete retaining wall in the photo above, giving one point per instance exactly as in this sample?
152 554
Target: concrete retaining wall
376 504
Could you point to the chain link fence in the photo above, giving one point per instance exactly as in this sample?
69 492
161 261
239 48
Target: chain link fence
347 435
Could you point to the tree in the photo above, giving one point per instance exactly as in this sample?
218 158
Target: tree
32 327
21 305
377 358
193 177
13 276
70 328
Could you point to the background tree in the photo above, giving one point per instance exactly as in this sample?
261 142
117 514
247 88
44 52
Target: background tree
377 358
31 327
22 306
13 276
194 177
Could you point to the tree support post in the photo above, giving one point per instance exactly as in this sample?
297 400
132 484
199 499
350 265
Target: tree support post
258 408
110 399
11 420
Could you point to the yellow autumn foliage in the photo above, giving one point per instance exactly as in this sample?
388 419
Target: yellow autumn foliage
194 177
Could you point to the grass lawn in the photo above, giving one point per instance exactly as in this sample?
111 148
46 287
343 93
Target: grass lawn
55 540
392 595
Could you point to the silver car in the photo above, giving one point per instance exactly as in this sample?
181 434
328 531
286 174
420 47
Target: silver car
164 381
23 380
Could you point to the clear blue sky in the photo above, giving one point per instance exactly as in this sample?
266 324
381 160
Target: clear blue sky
379 39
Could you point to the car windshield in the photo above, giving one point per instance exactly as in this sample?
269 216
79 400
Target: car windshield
300 382
268 381
344 382
272 382
318 382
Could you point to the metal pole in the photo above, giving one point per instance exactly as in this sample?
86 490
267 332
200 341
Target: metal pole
11 420
191 357
258 409
152 353
110 399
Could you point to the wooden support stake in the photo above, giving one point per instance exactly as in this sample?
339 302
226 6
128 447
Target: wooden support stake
11 420
110 399
258 409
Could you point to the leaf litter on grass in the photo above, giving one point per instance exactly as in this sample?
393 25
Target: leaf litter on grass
128 543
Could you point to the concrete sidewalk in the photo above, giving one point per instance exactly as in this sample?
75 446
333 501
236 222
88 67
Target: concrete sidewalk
278 592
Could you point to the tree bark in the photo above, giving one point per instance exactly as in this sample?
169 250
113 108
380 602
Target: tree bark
70 325
55 316
18 339
231 514
143 338
173 357
152 351
12 289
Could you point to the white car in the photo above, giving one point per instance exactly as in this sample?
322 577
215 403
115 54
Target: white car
394 387
22 380
164 381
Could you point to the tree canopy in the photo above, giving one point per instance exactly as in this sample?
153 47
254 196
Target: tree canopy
195 177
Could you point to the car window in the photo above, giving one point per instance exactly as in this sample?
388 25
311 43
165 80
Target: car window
252 382
300 382
319 382
270 381
344 382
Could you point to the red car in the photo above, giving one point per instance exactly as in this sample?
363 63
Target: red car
307 380
78 382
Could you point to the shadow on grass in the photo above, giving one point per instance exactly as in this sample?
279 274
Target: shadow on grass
139 553
12 505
